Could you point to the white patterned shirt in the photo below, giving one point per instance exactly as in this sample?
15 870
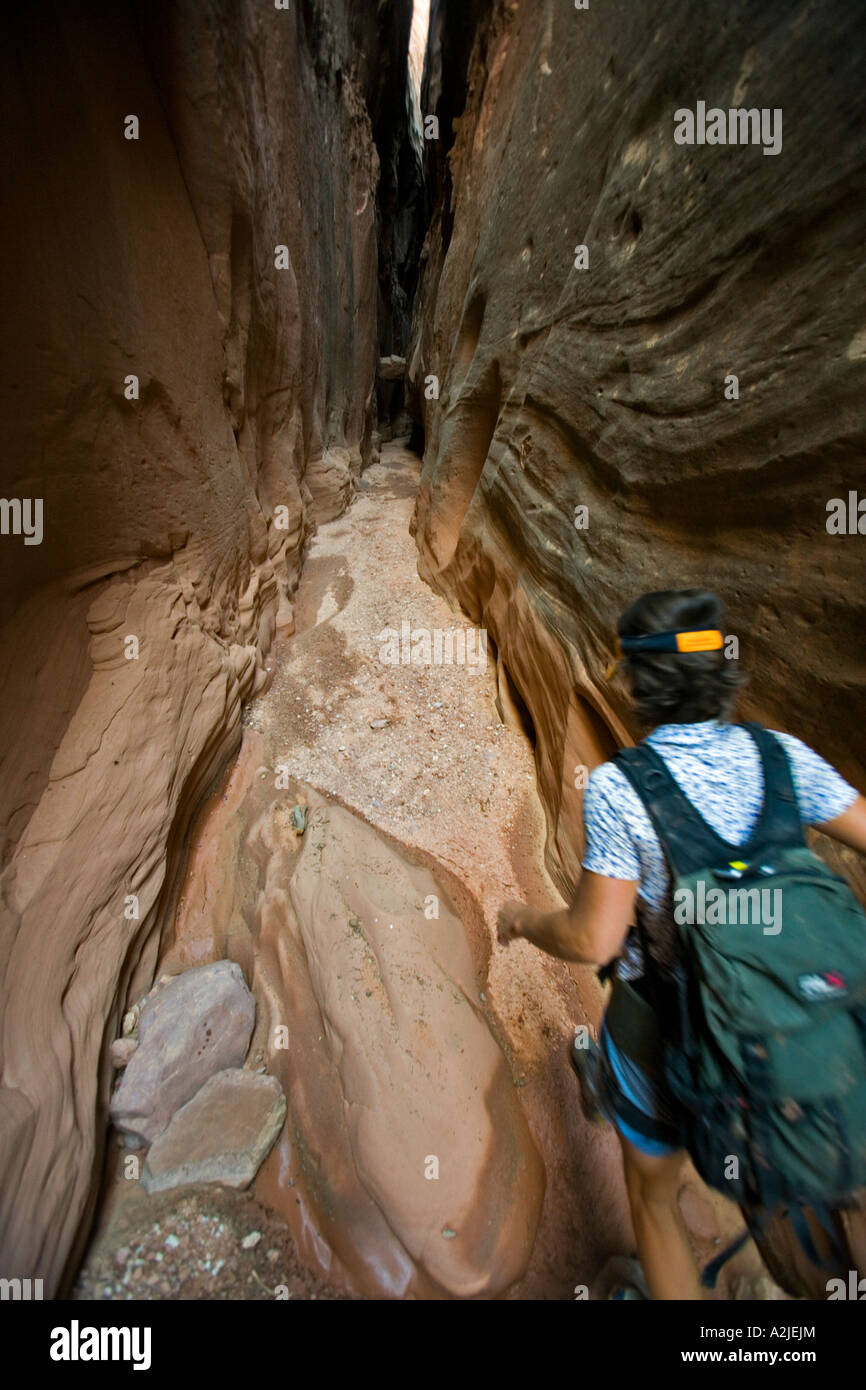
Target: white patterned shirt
719 768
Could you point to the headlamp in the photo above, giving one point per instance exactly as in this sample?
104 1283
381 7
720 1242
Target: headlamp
684 640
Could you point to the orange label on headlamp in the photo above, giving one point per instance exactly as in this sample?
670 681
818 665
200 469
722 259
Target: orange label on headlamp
699 641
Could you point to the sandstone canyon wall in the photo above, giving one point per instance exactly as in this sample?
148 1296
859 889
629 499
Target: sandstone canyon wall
186 402
562 387
174 519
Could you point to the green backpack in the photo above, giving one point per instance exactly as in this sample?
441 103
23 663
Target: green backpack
764 1014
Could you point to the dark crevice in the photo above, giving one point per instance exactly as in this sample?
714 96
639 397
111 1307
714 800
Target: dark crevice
455 26
520 705
383 71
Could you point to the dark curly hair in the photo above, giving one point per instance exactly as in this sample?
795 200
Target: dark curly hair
679 687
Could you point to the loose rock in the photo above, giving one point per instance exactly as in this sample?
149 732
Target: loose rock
199 1024
222 1135
121 1051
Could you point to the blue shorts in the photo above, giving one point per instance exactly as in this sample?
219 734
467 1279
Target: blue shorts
645 1094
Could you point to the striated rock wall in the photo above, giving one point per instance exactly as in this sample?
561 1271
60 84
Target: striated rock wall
174 519
605 388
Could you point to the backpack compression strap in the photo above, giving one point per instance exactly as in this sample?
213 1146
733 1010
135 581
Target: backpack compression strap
688 841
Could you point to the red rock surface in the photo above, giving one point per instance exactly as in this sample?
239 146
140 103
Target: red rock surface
177 518
604 388
442 789
133 636
435 1128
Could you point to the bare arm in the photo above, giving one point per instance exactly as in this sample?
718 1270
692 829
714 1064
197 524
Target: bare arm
591 931
850 827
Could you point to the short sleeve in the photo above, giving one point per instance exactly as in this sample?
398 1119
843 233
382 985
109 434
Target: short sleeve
610 846
822 794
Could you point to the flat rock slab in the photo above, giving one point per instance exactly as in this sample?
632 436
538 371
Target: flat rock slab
200 1023
222 1135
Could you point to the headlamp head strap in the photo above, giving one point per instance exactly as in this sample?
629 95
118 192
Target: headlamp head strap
685 640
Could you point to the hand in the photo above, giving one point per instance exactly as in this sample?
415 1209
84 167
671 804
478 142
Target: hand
511 921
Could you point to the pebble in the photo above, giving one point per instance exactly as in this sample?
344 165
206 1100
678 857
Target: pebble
251 1241
122 1050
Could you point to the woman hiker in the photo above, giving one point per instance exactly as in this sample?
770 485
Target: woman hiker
684 690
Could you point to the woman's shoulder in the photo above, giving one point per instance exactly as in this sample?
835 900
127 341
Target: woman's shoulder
608 787
607 777
822 793
792 744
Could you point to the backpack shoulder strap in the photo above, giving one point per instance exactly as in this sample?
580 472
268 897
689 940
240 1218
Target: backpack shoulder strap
689 843
780 822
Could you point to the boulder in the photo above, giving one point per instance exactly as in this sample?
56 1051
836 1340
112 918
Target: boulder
121 1051
392 368
222 1135
329 480
410 1083
197 1025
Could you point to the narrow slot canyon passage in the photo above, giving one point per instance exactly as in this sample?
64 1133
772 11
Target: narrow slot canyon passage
419 754
363 363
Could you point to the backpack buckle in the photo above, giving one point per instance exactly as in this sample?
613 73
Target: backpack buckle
734 869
